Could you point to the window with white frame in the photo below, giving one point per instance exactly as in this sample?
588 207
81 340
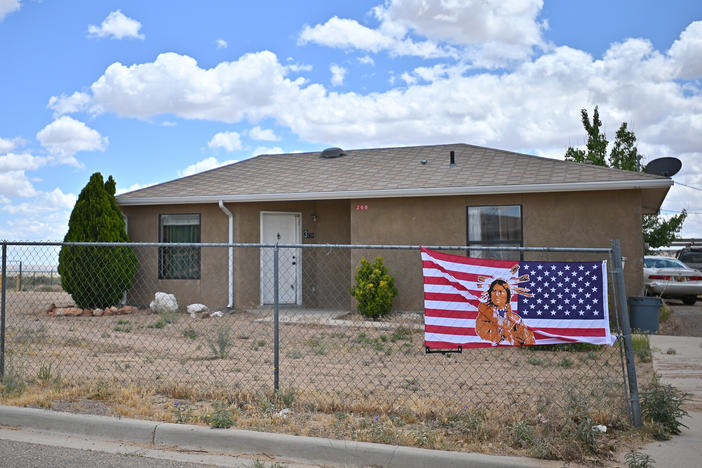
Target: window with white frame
494 226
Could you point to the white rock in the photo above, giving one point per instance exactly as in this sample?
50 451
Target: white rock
164 303
196 309
216 313
601 428
284 412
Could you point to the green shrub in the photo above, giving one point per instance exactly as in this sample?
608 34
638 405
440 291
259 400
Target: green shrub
96 277
221 416
13 381
221 345
636 459
374 290
661 405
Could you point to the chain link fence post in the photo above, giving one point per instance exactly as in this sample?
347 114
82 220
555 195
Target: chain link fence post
2 310
626 333
276 334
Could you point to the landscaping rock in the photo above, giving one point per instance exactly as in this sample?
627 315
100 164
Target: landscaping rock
68 311
98 312
164 303
194 309
128 310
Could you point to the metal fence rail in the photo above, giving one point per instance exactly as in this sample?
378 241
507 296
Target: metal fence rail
282 317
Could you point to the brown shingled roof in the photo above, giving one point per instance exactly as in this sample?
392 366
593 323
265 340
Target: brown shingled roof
385 172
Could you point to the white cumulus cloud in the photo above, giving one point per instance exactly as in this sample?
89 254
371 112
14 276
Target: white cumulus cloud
489 33
465 22
204 165
117 26
230 141
16 184
337 74
66 136
7 144
221 44
686 52
345 34
64 104
131 188
262 134
43 202
350 34
42 217
7 7
267 150
252 87
21 162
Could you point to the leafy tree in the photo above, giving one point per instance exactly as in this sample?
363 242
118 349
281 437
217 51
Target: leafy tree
624 154
658 231
96 276
596 142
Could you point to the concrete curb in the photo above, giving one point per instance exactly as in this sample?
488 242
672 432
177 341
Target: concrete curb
302 449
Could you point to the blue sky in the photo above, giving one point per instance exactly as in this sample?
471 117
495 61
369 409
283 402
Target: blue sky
149 91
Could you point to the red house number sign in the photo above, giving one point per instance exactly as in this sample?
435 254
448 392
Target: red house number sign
361 207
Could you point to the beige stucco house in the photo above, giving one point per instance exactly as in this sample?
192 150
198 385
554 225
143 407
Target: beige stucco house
454 194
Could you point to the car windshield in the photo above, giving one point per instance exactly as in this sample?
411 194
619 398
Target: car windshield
652 262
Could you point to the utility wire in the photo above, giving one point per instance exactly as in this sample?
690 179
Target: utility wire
678 212
688 186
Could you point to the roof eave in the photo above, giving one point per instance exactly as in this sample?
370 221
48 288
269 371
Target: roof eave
402 193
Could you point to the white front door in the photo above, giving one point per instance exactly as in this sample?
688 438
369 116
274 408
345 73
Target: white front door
281 228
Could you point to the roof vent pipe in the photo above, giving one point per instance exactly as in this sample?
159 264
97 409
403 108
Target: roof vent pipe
452 160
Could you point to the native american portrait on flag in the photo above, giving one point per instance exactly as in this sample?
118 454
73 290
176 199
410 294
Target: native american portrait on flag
476 302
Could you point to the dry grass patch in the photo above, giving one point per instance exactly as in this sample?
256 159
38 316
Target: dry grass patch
546 430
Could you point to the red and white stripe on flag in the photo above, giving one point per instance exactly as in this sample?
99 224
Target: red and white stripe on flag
559 302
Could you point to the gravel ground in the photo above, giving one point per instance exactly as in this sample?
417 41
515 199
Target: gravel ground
684 321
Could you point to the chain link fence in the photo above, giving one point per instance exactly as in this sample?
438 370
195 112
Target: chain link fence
248 322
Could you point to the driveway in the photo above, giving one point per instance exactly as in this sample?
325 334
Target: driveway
684 321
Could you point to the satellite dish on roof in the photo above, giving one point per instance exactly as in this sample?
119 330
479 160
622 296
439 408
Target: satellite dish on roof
331 153
666 167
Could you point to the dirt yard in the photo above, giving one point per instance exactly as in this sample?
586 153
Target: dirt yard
342 363
339 375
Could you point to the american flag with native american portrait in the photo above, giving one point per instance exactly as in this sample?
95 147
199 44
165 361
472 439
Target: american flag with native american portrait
549 302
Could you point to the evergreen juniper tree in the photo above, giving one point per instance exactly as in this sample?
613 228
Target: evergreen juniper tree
657 231
96 276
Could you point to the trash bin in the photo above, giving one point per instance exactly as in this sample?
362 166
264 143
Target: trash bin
644 313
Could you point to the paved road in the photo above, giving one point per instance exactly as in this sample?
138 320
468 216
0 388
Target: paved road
25 449
26 455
